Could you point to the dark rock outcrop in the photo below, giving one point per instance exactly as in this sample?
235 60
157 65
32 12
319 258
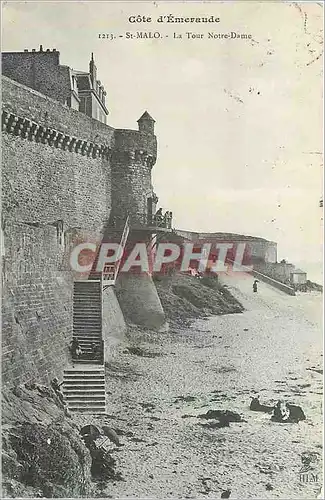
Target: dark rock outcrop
222 415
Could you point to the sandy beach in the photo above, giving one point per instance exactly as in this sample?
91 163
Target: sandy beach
155 394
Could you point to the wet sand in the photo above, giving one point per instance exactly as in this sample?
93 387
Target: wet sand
273 349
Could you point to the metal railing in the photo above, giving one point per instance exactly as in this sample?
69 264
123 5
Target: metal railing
159 219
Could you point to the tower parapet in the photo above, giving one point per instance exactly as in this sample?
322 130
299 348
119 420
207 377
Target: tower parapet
135 142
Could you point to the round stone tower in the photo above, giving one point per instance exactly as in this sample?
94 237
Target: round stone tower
133 157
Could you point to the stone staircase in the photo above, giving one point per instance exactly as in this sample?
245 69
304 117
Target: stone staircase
84 389
87 313
84 382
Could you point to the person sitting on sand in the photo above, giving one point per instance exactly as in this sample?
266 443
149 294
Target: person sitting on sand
281 412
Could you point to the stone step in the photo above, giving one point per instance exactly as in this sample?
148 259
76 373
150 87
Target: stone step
88 340
91 378
90 298
87 348
72 390
95 361
90 371
86 308
86 398
87 344
81 395
87 331
86 303
82 373
87 298
87 293
85 373
91 411
84 404
87 324
85 312
81 388
89 352
90 315
83 384
88 318
91 287
82 326
93 300
82 322
96 337
90 335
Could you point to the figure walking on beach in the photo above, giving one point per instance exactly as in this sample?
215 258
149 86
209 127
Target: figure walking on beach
255 286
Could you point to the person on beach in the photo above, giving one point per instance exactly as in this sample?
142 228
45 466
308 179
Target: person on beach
255 286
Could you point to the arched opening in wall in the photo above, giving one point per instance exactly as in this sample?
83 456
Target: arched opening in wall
149 210
60 234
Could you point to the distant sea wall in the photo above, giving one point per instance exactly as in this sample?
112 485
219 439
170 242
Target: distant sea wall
277 284
279 271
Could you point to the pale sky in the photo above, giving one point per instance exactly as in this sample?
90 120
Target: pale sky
238 122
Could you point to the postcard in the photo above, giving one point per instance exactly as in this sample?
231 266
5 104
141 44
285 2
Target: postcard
162 255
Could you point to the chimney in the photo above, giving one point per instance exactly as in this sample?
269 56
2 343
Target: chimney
93 70
41 48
